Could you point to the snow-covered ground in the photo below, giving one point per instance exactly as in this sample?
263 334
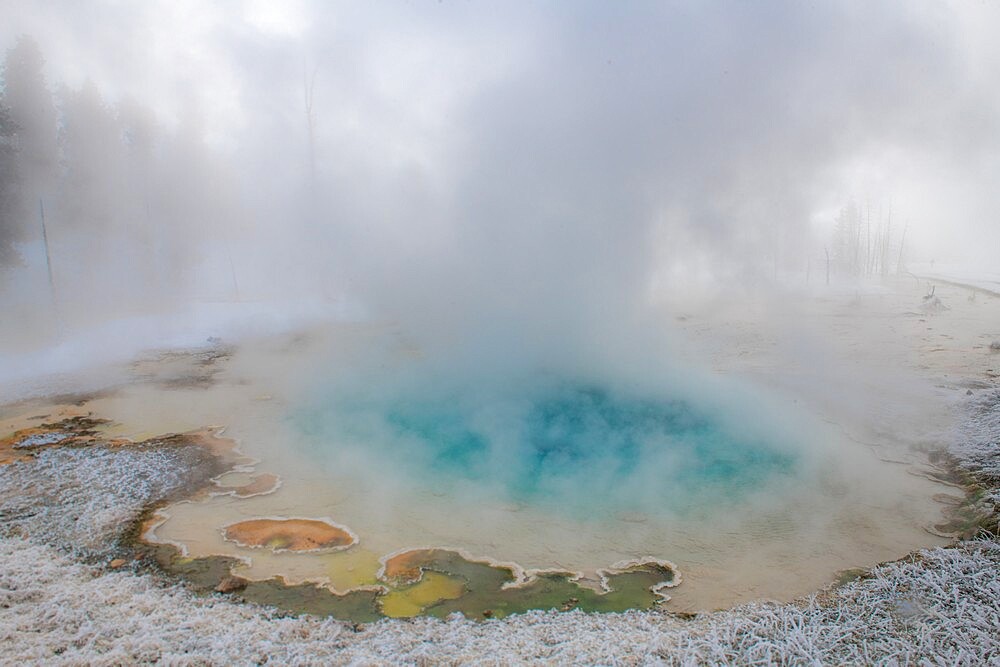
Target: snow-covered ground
978 447
985 278
82 358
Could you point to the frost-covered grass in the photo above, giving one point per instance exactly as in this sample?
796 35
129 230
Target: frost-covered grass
940 607
977 446
82 499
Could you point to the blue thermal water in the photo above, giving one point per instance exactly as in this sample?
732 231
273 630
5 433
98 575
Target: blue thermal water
579 447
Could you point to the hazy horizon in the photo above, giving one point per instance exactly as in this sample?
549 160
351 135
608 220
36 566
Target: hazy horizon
446 163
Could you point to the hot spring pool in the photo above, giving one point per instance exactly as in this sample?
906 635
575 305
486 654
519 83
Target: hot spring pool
524 485
583 450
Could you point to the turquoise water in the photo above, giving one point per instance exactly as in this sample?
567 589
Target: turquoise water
580 447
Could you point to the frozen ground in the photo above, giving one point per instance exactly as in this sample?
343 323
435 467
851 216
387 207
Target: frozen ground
61 604
984 278
85 357
942 607
978 446
81 499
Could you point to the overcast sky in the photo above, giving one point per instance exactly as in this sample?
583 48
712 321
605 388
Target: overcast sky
616 140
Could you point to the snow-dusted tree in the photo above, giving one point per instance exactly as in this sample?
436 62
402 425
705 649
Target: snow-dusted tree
11 209
140 137
33 113
93 163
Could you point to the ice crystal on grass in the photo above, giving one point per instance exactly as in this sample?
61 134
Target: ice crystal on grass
940 608
82 499
42 439
977 444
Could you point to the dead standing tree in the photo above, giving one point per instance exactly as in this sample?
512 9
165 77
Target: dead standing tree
309 96
862 246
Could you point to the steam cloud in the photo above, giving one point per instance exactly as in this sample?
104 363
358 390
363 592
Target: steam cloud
530 170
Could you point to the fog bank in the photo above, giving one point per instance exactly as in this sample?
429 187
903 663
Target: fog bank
519 172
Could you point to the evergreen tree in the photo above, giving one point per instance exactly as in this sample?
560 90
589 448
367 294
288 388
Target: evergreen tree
11 213
33 112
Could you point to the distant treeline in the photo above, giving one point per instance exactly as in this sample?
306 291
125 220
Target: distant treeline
867 241
115 189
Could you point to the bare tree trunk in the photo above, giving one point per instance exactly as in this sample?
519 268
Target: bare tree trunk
887 238
232 273
899 259
48 256
868 244
308 88
857 247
